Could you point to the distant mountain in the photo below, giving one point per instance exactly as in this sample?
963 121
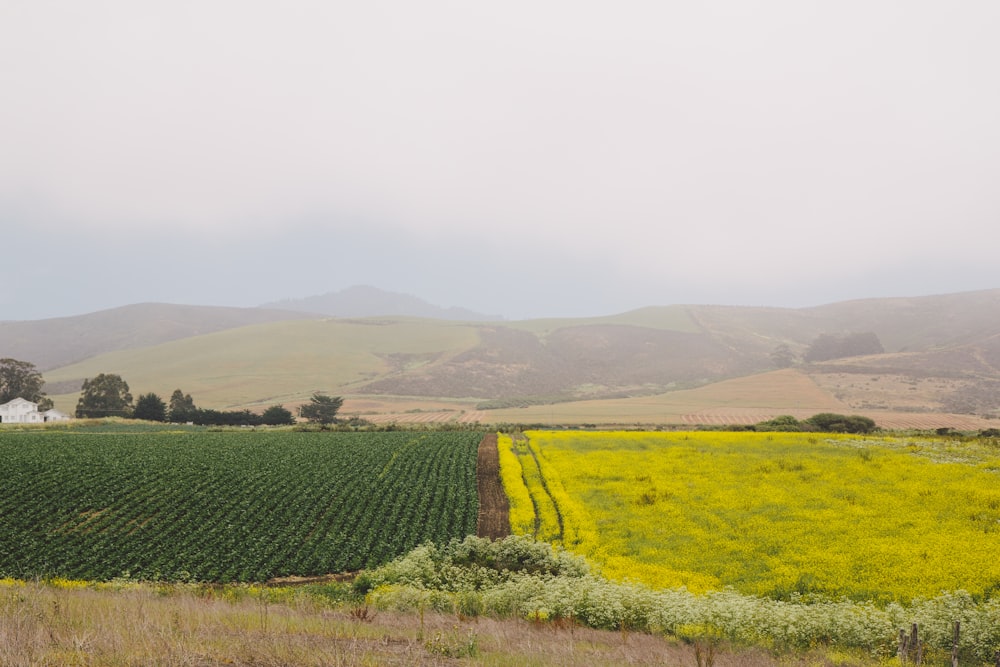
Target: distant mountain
941 353
367 301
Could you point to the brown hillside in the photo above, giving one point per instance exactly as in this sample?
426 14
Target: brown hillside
598 360
961 379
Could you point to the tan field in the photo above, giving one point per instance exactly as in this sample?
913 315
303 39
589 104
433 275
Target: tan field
747 400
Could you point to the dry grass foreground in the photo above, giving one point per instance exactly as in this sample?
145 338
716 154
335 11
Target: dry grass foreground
147 625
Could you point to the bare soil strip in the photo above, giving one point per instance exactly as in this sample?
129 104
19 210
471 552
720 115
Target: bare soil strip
494 510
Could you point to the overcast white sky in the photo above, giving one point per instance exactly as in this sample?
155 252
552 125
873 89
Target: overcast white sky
522 158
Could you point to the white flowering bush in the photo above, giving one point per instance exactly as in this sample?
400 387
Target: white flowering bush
519 578
477 563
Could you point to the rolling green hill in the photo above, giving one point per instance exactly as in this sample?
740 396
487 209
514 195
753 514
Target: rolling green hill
277 362
59 341
941 354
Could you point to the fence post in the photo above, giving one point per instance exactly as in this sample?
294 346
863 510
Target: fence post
954 645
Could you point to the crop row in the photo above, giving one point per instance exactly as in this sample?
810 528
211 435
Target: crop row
228 506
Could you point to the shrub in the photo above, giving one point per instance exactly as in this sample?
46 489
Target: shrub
831 422
785 423
277 415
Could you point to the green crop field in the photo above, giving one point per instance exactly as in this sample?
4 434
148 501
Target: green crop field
778 514
227 506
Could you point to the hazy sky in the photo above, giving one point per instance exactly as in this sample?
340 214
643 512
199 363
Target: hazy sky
522 158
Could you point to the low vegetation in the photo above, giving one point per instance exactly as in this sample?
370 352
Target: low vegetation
62 622
507 602
825 422
520 578
829 346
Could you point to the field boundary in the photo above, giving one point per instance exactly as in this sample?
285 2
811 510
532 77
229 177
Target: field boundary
493 520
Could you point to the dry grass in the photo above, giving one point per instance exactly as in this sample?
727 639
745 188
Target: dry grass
889 391
145 625
753 399
779 392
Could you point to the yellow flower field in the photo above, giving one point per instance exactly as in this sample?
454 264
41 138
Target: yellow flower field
771 513
522 512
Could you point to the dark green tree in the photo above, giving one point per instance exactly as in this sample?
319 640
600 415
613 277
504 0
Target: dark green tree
277 415
106 395
150 407
780 423
181 407
210 417
832 422
859 424
22 379
321 409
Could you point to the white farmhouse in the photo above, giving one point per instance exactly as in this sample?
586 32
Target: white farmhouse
54 415
20 411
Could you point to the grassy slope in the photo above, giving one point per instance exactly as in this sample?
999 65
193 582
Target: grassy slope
271 363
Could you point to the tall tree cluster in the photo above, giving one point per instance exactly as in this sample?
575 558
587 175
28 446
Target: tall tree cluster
321 409
150 407
106 395
182 407
20 379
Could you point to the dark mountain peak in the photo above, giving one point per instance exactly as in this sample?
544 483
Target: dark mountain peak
368 301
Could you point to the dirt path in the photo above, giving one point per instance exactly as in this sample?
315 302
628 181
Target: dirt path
494 519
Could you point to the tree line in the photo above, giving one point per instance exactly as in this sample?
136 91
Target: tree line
108 395
827 422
